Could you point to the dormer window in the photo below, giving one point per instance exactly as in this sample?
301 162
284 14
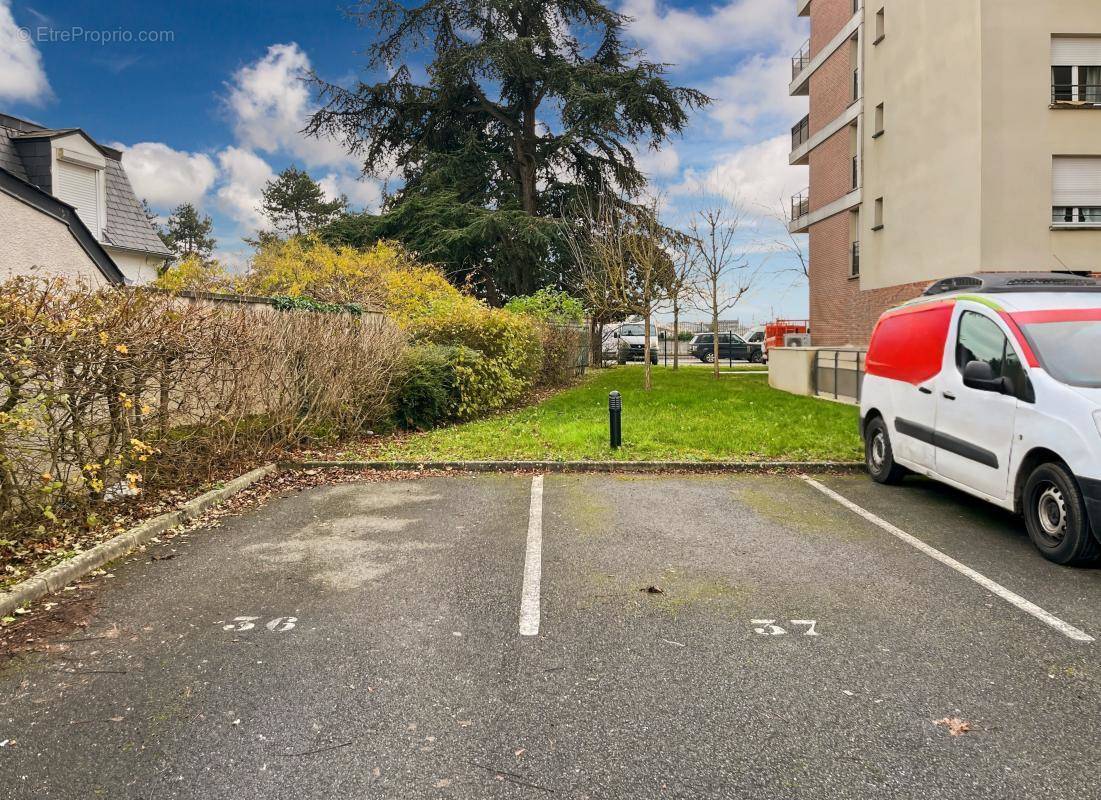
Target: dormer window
79 181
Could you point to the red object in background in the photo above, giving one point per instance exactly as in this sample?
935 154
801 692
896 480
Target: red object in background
776 331
908 345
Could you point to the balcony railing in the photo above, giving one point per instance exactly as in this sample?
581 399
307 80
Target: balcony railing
800 205
800 60
800 134
856 172
855 262
1084 94
1076 215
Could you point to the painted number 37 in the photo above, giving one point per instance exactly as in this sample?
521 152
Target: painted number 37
277 625
768 627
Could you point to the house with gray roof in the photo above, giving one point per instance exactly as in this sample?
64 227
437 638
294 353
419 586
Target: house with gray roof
67 208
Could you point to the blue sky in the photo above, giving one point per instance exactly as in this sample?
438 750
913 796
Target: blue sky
203 98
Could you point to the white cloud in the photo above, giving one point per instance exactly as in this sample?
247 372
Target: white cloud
757 176
663 163
754 96
22 76
270 104
167 177
240 195
682 36
362 193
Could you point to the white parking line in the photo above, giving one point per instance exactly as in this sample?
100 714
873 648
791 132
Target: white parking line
529 601
1028 607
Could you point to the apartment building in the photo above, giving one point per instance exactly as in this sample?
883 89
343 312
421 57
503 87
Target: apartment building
943 137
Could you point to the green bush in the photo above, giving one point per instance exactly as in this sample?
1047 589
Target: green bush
549 305
500 360
427 392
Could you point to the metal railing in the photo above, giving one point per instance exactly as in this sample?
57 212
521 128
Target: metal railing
1076 215
856 172
800 60
800 205
800 133
1086 94
839 374
855 263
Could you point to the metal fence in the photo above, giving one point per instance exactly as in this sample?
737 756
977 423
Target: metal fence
839 374
670 351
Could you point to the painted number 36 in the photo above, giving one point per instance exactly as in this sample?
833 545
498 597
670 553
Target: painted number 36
277 625
768 627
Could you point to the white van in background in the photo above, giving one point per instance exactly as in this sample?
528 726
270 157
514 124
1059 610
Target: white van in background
626 341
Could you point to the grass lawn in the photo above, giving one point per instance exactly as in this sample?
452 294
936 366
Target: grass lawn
689 416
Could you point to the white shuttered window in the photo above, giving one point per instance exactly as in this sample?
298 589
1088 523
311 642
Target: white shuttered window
1075 52
78 186
1076 181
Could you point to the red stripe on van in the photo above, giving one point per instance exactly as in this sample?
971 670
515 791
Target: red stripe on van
1012 321
908 344
1058 315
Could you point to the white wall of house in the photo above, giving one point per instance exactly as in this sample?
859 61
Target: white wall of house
137 267
33 243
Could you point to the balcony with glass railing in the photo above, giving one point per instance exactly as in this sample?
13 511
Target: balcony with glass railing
800 133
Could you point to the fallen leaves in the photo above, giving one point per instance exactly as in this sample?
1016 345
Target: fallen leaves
955 725
653 589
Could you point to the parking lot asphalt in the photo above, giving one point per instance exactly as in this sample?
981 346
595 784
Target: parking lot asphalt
698 637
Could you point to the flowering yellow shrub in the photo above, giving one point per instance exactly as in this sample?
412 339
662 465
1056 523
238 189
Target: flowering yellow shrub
194 274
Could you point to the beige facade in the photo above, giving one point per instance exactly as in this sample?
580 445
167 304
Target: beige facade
957 128
36 244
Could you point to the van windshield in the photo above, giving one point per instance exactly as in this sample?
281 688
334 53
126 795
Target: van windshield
637 330
1068 349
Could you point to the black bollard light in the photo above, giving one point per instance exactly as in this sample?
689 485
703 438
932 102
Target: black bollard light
615 419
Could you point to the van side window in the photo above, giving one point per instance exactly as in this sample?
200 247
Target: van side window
980 339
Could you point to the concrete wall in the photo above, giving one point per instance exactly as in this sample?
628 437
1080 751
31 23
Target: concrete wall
33 243
1021 133
927 166
791 369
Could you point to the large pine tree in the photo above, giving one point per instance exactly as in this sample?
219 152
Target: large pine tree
528 104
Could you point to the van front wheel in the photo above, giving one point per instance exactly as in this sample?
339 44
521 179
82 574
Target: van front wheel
1056 518
879 456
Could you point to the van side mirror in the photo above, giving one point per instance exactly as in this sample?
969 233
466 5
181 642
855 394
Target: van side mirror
979 375
615 335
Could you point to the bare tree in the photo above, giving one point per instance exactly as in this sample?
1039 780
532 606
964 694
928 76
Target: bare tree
789 246
683 285
597 274
725 274
625 264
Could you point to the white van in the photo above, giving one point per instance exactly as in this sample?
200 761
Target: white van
626 342
992 384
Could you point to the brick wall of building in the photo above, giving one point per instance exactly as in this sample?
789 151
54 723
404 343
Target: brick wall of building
831 90
831 169
841 314
827 18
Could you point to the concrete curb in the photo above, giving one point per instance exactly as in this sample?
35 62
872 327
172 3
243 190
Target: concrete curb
758 467
55 578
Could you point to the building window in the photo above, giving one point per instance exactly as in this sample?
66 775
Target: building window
878 121
880 26
1076 71
854 248
878 218
1075 192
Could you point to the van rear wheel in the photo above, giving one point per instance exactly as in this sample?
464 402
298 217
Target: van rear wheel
1056 518
879 456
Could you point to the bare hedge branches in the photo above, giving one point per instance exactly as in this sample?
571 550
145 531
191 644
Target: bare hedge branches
106 391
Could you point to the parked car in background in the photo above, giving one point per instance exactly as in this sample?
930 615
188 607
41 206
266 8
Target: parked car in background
627 342
732 347
992 384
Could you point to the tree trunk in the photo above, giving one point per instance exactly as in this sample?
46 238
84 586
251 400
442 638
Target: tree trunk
676 336
646 381
715 334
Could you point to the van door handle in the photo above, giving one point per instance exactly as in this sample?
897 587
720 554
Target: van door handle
925 390
948 396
